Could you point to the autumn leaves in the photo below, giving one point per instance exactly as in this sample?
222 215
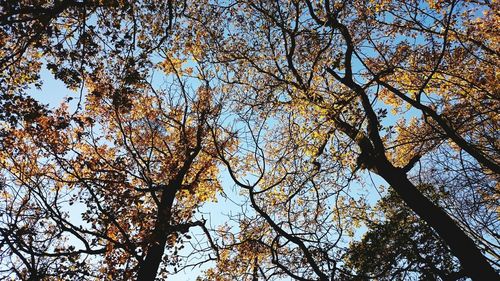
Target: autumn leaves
306 107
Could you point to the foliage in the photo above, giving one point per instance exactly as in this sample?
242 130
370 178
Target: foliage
307 106
408 247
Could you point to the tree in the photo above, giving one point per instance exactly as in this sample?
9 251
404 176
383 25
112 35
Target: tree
137 158
333 63
141 167
302 103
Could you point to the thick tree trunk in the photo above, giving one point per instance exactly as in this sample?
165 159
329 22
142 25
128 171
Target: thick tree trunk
148 268
472 260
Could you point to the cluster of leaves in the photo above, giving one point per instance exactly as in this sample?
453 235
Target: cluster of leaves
406 244
302 103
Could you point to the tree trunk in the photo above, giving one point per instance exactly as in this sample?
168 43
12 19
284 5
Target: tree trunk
472 260
148 268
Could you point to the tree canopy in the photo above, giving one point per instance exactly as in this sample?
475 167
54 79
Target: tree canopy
333 140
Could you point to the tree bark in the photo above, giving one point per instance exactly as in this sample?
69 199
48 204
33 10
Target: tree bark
472 260
148 268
